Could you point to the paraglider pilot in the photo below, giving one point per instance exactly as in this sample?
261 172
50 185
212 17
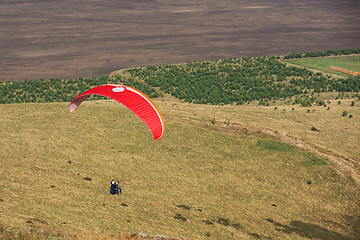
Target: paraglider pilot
114 188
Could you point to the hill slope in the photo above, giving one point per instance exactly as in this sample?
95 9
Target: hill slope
204 179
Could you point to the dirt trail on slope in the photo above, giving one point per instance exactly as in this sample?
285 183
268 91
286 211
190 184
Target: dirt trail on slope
345 165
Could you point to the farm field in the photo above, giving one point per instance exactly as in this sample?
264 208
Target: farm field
67 39
220 172
323 64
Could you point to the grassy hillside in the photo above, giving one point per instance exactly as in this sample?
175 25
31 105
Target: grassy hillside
212 176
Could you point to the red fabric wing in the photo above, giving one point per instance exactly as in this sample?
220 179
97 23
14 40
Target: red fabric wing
134 100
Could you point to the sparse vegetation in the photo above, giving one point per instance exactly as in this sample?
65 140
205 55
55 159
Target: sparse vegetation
28 234
250 169
215 82
200 170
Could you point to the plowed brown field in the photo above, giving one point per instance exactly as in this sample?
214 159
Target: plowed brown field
69 39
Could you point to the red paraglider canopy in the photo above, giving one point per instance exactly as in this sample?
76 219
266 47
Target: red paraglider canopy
133 99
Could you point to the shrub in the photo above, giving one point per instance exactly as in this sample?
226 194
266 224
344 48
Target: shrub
183 207
208 222
236 225
315 129
224 221
255 235
269 220
179 217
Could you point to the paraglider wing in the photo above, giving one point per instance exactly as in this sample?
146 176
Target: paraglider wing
133 99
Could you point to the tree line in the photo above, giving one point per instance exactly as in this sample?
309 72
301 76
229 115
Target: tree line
331 52
242 80
62 90
227 81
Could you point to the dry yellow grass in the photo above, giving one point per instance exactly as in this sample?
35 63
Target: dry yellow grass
237 184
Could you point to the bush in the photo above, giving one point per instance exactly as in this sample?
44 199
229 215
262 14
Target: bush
179 217
315 129
224 221
208 222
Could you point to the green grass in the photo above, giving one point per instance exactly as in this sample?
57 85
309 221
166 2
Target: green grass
201 181
276 146
323 64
